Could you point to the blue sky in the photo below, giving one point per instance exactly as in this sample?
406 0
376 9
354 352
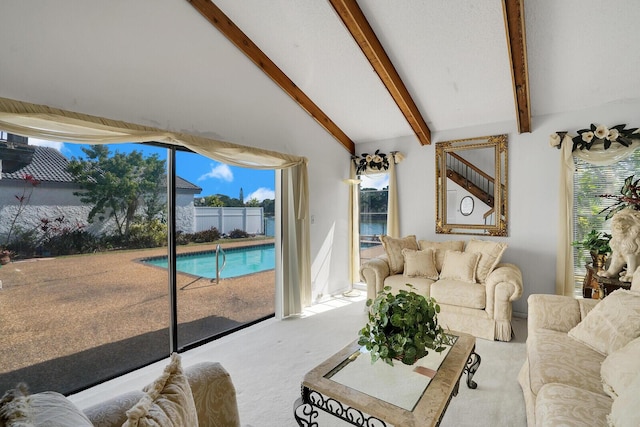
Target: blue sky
213 177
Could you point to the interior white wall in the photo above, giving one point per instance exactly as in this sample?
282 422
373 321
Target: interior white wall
533 188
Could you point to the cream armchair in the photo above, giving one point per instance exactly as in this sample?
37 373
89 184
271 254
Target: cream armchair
476 300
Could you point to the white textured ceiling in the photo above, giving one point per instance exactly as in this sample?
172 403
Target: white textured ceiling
452 56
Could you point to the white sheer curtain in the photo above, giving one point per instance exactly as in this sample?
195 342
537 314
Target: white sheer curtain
354 225
295 246
393 221
40 121
597 156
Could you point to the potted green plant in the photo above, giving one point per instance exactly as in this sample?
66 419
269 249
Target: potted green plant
597 243
5 256
402 326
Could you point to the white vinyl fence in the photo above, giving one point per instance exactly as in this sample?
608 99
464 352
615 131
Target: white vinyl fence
226 219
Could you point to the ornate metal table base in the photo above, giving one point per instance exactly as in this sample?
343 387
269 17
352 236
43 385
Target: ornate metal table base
472 367
306 414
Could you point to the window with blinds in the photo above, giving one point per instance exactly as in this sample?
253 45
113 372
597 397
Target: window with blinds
589 182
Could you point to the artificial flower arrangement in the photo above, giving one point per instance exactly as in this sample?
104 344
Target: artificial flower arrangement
600 134
378 161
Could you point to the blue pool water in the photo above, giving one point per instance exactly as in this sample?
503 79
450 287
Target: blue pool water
240 261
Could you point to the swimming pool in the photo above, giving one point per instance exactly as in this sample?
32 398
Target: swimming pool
240 261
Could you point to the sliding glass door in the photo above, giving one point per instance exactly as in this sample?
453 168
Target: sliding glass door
87 294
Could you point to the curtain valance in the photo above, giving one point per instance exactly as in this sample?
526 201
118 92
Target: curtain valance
52 124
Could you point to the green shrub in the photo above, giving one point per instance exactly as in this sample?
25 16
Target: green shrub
238 234
205 236
71 242
148 234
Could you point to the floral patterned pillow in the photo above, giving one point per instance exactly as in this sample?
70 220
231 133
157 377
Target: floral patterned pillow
51 409
393 247
168 401
612 324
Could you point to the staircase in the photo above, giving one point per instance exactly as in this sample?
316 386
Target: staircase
472 179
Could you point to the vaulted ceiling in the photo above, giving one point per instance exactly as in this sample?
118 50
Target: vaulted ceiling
374 70
410 39
366 71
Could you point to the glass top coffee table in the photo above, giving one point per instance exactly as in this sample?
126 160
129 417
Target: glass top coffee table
348 386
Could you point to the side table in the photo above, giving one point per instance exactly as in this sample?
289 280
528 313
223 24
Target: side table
598 287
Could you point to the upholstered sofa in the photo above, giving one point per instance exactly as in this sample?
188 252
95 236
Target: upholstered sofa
473 289
202 394
583 361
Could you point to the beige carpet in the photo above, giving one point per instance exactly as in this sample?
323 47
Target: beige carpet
267 363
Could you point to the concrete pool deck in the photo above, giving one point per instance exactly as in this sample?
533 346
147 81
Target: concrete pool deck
68 319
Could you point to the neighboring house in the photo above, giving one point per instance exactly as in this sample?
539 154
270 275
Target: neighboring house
53 196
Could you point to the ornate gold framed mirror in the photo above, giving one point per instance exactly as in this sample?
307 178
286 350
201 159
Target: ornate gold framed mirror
471 186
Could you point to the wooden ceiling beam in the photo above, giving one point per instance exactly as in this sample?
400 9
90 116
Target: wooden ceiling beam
359 27
517 45
219 20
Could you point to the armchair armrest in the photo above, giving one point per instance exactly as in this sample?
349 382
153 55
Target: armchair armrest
214 395
503 285
373 272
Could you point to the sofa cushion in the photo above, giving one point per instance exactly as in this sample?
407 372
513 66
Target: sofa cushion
459 266
441 248
624 411
612 323
564 405
398 281
490 254
461 294
168 401
620 367
393 247
420 263
18 408
554 357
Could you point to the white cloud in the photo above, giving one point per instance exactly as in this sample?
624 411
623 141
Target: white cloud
218 171
377 181
261 194
42 143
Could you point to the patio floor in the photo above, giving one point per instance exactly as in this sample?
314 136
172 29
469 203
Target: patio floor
69 321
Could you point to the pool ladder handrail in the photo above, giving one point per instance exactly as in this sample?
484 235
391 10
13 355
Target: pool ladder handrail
224 262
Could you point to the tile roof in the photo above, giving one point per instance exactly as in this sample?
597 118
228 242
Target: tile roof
49 165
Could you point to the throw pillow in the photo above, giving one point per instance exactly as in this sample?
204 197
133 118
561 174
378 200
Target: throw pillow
460 266
490 254
18 408
393 247
624 410
620 367
168 401
441 248
612 324
420 264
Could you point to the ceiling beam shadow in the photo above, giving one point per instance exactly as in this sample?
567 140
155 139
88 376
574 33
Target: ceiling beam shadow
359 27
219 20
517 45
